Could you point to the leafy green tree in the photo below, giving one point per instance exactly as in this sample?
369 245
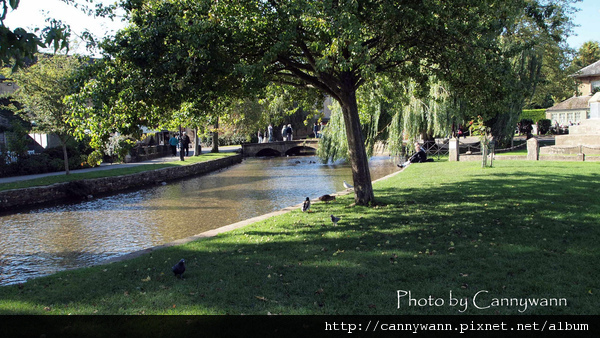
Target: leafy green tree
555 83
524 45
42 89
334 47
587 54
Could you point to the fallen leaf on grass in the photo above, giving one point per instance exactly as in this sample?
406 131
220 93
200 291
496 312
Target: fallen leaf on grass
372 306
264 299
320 291
147 279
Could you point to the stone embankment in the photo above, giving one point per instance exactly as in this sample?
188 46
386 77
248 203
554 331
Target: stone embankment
11 200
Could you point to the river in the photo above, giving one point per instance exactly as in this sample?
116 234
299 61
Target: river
46 240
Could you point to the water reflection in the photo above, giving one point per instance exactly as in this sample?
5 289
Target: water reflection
47 240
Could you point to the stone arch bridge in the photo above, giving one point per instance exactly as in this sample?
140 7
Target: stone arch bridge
280 148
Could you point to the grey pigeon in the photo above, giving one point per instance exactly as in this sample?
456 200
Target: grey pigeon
306 205
335 219
179 268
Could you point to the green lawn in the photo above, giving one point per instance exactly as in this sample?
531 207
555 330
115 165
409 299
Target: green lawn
74 176
521 230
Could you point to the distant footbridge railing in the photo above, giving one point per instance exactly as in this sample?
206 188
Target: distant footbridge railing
280 148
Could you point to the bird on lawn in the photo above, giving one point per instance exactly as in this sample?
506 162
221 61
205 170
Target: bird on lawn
334 219
326 198
179 268
306 205
347 186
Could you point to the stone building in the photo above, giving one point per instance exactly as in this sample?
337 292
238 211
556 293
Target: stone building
576 109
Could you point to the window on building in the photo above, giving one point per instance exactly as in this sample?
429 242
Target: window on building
577 117
595 86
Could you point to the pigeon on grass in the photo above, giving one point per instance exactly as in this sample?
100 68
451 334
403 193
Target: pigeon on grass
179 268
334 219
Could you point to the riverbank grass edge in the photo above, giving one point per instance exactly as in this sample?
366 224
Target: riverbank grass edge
75 176
445 238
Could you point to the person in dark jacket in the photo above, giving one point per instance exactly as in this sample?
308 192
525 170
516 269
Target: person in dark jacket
185 144
418 157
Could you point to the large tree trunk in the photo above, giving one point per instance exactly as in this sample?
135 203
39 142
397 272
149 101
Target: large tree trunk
65 157
363 189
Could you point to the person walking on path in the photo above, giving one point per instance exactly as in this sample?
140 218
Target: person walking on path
290 132
316 129
185 143
284 132
173 141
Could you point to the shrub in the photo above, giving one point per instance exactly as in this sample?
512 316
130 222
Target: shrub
118 146
544 126
95 158
36 164
56 164
9 169
525 126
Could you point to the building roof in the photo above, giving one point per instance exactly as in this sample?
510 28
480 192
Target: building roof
576 102
591 70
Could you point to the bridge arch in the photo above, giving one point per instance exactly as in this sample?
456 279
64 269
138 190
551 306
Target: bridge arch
266 152
301 150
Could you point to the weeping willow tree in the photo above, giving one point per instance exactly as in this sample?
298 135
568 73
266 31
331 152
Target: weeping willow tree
393 113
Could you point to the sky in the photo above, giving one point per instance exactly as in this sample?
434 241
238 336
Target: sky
588 19
32 13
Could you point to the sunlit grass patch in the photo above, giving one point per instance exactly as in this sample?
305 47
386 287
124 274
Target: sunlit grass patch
517 230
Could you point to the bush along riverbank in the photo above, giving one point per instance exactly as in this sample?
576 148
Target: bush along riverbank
518 238
84 186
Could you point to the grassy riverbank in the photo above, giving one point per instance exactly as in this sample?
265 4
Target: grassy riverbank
137 168
521 230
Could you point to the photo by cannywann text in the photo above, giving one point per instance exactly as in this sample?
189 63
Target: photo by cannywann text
481 300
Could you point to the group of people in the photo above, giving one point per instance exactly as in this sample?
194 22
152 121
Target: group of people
287 134
182 141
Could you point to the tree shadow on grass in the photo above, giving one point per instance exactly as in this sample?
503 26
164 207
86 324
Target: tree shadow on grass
516 236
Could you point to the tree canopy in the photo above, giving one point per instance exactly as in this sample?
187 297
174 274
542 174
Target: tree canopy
17 45
42 88
201 52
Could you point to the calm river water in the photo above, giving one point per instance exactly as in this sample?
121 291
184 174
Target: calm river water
47 240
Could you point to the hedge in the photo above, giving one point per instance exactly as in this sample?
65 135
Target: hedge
533 114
